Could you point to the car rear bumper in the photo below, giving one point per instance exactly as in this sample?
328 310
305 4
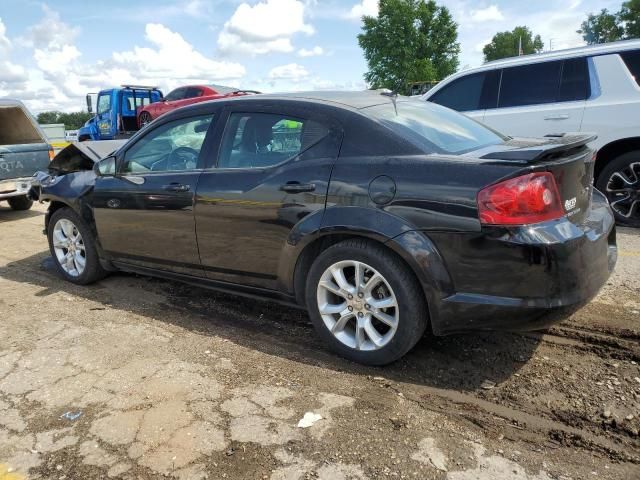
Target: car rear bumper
532 276
15 187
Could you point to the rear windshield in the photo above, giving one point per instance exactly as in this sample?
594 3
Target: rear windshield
433 128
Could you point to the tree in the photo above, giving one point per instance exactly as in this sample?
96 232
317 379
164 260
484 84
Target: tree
72 121
507 44
409 41
629 15
601 28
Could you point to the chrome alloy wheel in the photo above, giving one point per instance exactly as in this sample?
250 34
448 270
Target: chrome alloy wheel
357 305
69 247
623 191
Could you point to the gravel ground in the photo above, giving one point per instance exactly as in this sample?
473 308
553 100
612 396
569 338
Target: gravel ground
138 378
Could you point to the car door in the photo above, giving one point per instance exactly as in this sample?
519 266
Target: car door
541 99
470 94
144 213
271 172
171 101
104 115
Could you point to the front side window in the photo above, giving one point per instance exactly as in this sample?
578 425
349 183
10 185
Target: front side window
174 146
477 91
177 94
104 103
533 84
434 129
193 92
254 140
632 61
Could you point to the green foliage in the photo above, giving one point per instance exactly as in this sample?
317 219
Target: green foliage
601 28
506 44
629 15
409 41
72 121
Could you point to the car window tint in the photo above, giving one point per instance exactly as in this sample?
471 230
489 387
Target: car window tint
530 84
472 92
575 80
254 140
174 146
434 129
632 60
193 92
177 94
104 103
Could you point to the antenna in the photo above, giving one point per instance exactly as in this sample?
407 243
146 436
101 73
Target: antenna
392 95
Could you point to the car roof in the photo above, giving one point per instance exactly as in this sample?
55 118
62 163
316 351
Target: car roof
584 51
352 99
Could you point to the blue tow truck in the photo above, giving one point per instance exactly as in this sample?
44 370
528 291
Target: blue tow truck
116 114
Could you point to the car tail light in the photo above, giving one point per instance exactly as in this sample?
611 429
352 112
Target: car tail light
531 198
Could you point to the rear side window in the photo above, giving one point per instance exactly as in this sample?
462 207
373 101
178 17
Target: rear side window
193 92
477 91
434 129
632 60
575 84
255 140
530 84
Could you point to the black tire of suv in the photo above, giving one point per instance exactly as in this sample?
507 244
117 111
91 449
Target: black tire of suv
93 270
20 203
409 294
616 165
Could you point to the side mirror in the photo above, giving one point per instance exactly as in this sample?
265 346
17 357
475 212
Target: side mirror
89 104
106 167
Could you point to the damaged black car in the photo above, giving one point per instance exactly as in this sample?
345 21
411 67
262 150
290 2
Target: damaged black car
380 215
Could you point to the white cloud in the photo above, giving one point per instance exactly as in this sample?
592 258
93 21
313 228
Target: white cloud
172 57
314 52
51 32
364 8
265 27
60 79
490 14
292 71
5 43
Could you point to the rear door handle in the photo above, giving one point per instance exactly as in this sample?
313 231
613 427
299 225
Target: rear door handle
562 116
177 187
297 187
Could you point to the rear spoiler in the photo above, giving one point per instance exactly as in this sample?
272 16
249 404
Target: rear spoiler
533 150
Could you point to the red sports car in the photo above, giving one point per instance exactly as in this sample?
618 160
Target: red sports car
186 96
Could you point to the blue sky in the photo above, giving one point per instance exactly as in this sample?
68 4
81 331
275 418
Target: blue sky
53 52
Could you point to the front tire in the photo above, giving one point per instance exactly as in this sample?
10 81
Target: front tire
20 203
145 119
73 248
620 182
374 320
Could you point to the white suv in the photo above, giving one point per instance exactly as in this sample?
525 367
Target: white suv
589 89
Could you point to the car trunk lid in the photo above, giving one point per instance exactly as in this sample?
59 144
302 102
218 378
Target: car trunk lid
567 157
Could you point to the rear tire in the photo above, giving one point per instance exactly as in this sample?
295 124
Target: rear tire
65 225
145 119
361 328
20 203
620 182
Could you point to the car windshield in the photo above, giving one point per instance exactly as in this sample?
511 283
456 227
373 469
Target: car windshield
434 128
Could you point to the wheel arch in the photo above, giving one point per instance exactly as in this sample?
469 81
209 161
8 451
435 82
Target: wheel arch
413 248
613 150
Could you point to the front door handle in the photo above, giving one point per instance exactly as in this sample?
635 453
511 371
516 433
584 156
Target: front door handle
562 116
177 187
297 187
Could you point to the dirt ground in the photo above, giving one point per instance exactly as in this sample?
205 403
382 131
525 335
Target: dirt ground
138 378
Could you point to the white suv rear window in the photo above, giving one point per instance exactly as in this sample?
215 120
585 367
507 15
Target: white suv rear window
632 60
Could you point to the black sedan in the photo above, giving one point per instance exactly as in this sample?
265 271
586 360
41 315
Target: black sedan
382 216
